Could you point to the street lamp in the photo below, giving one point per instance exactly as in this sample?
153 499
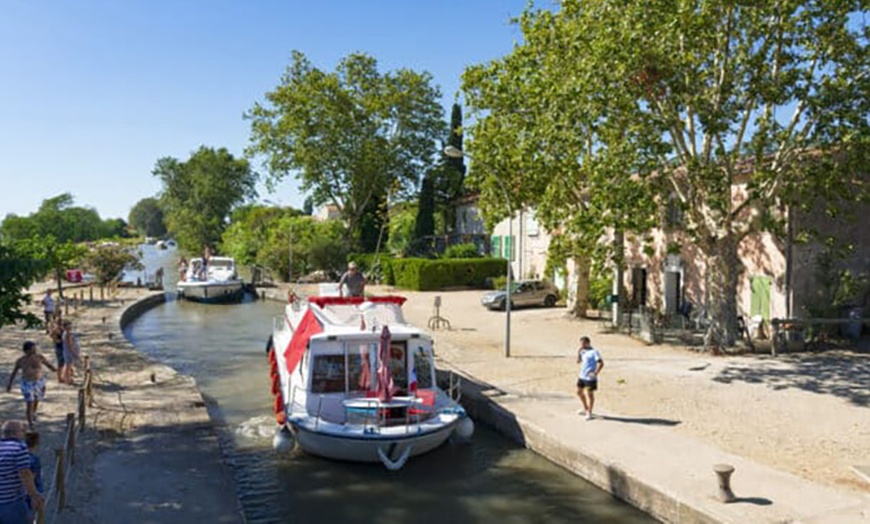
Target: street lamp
455 152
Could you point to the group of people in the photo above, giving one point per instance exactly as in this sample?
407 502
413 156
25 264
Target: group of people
200 267
21 487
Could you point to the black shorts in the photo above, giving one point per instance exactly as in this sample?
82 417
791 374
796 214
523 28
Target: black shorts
591 385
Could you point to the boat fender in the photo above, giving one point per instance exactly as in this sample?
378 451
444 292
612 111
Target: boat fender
397 464
464 428
273 372
279 404
283 441
276 385
281 418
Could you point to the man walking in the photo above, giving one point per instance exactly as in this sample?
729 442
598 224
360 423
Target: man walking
16 477
48 307
32 379
590 366
354 280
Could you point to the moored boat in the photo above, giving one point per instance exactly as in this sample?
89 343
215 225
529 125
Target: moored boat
216 281
353 381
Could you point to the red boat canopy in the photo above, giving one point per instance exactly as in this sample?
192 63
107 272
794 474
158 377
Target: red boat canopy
308 327
329 301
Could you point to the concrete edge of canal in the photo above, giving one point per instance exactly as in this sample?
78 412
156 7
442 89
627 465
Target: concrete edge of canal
170 453
482 403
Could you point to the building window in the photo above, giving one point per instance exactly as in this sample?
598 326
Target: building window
496 246
674 215
531 225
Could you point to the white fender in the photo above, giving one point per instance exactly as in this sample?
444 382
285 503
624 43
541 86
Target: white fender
398 463
283 441
464 428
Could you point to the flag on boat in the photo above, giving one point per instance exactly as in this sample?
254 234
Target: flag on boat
385 377
412 380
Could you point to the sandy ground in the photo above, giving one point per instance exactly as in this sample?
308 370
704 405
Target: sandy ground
808 414
149 452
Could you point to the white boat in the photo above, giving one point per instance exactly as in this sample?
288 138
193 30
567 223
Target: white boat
353 381
217 281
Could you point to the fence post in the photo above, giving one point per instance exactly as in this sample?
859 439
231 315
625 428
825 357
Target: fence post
71 437
91 294
59 475
81 409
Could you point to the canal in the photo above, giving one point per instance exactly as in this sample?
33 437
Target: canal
488 480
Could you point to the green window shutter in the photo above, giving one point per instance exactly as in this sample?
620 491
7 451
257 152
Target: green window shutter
508 248
496 246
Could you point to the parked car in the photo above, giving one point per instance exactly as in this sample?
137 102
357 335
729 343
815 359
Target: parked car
523 293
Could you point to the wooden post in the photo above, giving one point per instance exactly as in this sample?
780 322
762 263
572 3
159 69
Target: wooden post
91 294
81 409
102 293
71 437
59 479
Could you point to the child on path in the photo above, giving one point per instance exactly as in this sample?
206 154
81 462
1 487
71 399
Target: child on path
590 367
31 439
56 334
71 352
32 380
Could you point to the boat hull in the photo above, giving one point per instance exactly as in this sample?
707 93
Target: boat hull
211 292
364 448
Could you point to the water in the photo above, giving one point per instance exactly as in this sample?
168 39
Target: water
488 480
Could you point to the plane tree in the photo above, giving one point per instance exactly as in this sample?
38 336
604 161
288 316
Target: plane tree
348 135
732 111
199 194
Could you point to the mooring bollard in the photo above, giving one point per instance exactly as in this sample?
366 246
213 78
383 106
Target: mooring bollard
723 472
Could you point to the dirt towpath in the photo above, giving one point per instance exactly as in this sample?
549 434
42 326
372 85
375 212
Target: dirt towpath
149 453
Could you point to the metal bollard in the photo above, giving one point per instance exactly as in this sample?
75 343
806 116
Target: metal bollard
723 472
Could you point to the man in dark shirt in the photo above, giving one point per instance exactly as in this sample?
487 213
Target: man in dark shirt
354 280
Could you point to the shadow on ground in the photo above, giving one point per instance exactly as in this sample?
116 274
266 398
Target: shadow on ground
643 420
844 374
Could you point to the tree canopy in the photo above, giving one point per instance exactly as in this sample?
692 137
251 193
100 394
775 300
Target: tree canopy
348 135
59 218
611 110
18 270
147 217
199 194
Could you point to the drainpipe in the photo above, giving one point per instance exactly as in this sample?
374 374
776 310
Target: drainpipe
789 241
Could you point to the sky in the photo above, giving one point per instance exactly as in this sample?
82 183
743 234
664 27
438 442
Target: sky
93 92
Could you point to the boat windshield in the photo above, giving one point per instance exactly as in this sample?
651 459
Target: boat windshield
355 371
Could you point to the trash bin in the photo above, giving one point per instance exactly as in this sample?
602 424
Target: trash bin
852 330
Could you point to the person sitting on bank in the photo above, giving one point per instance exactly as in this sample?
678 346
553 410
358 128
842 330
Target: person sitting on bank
354 280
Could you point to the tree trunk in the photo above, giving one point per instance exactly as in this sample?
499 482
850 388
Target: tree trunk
723 270
578 291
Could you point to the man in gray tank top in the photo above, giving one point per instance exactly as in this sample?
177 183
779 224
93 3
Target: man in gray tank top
354 280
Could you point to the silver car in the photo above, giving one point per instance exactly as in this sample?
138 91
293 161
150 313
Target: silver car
523 293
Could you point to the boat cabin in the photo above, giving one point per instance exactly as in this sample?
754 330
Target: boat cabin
335 353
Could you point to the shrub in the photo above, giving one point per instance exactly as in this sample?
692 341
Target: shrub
462 251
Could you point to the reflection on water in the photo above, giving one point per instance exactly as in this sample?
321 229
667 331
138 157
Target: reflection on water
489 480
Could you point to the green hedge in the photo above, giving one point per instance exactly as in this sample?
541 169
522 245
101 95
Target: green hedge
423 274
